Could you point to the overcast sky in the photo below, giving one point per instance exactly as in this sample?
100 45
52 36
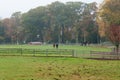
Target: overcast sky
7 7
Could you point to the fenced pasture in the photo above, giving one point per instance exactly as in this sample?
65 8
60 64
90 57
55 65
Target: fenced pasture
48 50
55 68
93 51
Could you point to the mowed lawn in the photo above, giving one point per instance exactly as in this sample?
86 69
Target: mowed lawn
55 68
77 48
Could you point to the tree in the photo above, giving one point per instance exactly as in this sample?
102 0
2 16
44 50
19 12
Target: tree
34 23
109 14
87 23
114 36
13 31
63 22
2 33
7 24
16 27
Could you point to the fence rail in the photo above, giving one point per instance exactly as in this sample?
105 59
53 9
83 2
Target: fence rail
37 52
58 52
104 55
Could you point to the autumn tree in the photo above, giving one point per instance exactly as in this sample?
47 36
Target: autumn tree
114 36
2 32
17 27
7 24
109 15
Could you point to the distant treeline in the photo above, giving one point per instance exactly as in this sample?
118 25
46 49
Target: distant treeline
71 22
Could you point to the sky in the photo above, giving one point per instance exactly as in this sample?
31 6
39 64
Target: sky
8 7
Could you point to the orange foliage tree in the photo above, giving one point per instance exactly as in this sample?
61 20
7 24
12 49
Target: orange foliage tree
114 35
109 14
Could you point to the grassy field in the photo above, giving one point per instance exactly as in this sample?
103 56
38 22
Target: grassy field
77 48
56 68
51 68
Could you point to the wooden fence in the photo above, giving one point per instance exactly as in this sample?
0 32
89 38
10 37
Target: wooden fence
57 52
37 52
104 55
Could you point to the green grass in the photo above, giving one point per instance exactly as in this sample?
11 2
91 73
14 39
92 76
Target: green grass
51 68
77 48
56 68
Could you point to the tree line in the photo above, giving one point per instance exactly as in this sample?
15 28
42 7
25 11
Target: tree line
71 22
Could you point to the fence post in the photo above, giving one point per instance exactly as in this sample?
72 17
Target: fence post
91 54
46 52
33 52
21 51
73 53
59 53
103 55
